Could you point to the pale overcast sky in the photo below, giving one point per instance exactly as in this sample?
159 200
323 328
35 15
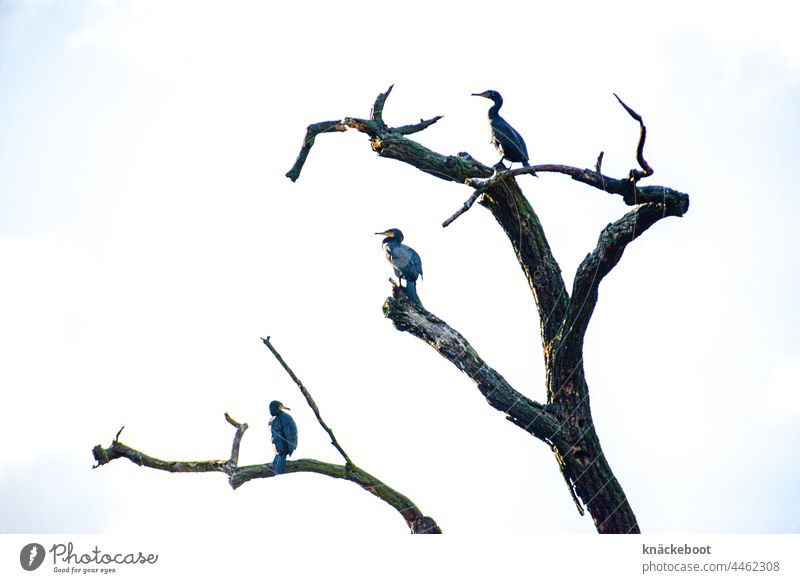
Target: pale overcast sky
149 238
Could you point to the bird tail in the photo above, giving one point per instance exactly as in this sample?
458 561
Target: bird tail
279 463
411 288
526 165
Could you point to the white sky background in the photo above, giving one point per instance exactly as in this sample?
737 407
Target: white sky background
148 238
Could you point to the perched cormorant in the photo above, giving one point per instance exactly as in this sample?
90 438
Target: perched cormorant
284 435
505 138
406 262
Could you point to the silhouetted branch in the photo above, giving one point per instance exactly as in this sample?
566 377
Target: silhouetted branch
309 398
119 450
417 127
480 185
526 413
377 109
634 174
392 143
351 473
630 192
312 132
449 343
237 439
599 163
417 522
376 115
610 246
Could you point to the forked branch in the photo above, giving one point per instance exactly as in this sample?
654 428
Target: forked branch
417 522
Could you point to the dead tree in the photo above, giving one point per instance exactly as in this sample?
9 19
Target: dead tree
564 422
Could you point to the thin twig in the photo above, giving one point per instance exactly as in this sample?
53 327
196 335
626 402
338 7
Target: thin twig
308 397
237 439
635 175
377 109
464 207
417 127
599 162
480 185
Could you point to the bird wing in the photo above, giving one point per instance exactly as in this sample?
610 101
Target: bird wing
290 433
508 141
416 262
275 431
406 260
284 433
390 256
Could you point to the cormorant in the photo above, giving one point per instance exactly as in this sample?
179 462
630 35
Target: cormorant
505 138
284 435
406 262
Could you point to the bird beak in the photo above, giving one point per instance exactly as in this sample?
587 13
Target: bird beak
285 408
385 234
479 94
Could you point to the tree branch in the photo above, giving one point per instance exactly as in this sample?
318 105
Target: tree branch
630 192
634 174
237 439
526 413
417 127
309 399
416 521
312 132
377 109
610 246
119 450
419 523
450 344
480 185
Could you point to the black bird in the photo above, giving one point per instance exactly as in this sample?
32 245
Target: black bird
406 262
284 435
505 138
